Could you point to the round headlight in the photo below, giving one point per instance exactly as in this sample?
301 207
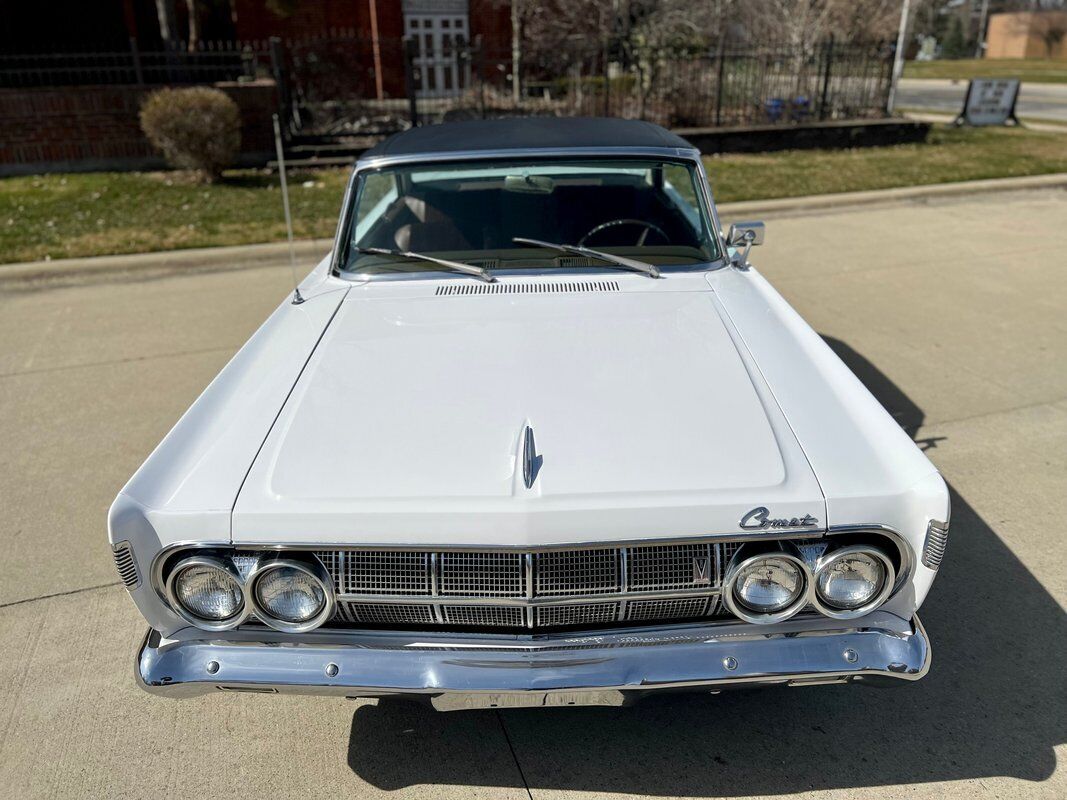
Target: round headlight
769 587
852 581
769 584
291 596
206 592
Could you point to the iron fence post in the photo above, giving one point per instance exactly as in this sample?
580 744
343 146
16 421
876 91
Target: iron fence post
281 80
135 54
479 62
410 52
718 87
826 76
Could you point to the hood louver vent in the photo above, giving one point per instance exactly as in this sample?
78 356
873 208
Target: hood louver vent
126 565
564 287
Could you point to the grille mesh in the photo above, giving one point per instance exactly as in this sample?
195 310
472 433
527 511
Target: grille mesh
387 572
331 559
667 609
386 613
126 565
482 574
488 616
587 614
670 567
577 572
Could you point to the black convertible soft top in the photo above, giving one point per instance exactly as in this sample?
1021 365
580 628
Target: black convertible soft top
520 133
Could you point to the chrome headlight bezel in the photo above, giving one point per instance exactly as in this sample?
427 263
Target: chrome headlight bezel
740 561
889 579
314 569
214 562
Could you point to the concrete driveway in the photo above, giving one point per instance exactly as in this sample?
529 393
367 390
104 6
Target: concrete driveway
1036 100
954 312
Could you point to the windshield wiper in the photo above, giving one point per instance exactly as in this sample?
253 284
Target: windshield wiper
575 249
456 266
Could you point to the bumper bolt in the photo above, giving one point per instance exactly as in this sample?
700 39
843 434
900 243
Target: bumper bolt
212 667
730 663
851 656
332 670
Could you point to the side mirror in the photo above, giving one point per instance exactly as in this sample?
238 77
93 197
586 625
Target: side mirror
745 234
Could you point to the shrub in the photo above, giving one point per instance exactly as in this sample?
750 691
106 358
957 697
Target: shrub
195 128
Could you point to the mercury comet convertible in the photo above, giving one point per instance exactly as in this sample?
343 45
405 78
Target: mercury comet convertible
534 433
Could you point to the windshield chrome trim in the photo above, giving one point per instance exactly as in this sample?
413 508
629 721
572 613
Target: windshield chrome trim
670 153
536 152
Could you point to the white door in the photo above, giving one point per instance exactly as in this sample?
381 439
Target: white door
440 37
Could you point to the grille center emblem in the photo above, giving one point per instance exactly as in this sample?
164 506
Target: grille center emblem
701 571
531 462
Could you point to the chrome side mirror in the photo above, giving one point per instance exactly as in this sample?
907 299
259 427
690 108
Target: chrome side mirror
745 234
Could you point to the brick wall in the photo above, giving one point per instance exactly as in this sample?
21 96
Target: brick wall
85 128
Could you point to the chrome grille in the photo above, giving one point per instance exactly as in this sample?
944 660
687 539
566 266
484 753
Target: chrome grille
331 559
585 614
668 609
398 572
482 574
670 567
529 590
573 572
487 616
126 565
385 613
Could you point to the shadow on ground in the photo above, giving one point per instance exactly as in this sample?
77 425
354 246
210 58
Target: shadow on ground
994 703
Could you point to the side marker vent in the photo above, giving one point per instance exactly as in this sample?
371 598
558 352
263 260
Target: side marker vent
555 287
935 544
126 565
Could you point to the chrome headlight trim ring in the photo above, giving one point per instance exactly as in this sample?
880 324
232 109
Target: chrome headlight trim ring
176 605
888 582
314 569
739 562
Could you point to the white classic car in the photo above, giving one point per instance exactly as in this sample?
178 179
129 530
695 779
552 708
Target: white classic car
534 433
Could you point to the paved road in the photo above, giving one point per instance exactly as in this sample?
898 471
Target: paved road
1037 100
953 312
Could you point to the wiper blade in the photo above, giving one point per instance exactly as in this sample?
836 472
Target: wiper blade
575 249
456 266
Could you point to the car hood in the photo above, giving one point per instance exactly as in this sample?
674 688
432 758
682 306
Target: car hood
408 424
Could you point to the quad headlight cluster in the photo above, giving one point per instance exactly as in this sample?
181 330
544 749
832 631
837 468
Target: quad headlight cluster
771 582
289 595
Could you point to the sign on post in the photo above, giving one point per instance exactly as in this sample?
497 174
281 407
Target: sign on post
990 101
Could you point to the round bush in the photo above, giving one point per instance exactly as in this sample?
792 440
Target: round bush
197 128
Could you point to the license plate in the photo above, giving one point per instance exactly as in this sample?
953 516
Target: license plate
461 702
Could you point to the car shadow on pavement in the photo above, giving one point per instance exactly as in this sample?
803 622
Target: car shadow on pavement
994 703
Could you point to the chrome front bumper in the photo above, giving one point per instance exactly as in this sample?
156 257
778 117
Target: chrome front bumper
611 668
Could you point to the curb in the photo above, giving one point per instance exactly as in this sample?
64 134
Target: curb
140 266
789 205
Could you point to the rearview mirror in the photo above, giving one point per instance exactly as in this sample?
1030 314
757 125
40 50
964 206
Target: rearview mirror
744 234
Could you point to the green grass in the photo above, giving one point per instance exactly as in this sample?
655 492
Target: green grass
61 216
951 154
1031 70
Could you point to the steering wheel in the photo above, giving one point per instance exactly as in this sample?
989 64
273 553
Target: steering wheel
648 228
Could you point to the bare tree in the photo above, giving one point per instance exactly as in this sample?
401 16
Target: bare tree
194 24
168 24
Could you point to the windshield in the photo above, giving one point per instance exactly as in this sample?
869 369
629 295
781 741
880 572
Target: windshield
648 209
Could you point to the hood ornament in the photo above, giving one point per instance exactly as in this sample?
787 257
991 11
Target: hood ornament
759 519
531 462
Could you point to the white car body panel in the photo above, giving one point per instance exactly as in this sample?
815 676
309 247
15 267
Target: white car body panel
410 417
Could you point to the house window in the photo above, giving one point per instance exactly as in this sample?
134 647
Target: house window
440 28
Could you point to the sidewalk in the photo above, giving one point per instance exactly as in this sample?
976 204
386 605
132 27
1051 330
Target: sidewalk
143 266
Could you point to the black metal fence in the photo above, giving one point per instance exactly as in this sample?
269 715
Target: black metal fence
343 84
